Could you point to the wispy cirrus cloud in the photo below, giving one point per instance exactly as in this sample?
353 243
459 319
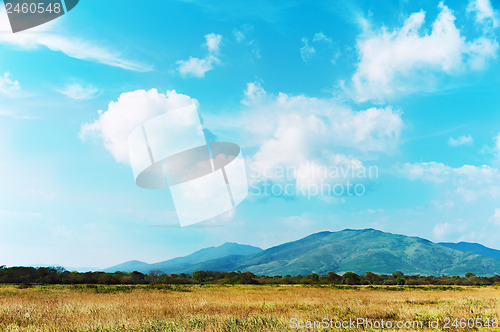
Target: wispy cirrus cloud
308 51
72 46
242 37
17 116
495 218
460 141
321 37
79 92
8 85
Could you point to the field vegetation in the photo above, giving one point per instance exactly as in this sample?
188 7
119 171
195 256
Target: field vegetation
208 307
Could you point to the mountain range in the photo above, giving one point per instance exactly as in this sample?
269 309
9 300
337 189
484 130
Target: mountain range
185 264
348 250
473 247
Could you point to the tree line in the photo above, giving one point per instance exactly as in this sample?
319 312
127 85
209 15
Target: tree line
58 275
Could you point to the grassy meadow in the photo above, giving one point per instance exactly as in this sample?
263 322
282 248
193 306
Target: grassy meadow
235 308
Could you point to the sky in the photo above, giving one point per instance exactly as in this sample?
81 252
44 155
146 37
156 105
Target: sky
351 114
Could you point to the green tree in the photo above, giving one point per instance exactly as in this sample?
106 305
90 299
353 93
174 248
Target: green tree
351 278
401 281
313 277
334 278
373 279
200 276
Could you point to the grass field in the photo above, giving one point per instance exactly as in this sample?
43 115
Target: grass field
236 308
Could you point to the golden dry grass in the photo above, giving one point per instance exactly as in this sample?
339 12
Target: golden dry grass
230 308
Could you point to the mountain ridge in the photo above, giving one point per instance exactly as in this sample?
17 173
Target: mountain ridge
473 247
178 264
347 250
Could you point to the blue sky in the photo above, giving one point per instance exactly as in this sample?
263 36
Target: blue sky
409 88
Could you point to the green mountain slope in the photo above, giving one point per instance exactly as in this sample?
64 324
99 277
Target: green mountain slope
473 247
366 250
348 250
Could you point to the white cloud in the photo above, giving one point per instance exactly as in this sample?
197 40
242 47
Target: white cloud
213 42
462 140
430 171
497 144
374 129
72 46
321 37
467 182
409 58
8 86
242 37
254 94
84 50
79 92
304 133
480 51
306 51
15 115
309 134
198 67
441 231
195 67
114 125
484 12
453 231
495 218
239 35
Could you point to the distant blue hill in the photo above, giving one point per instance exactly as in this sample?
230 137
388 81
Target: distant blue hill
180 264
82 269
129 266
473 247
358 251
